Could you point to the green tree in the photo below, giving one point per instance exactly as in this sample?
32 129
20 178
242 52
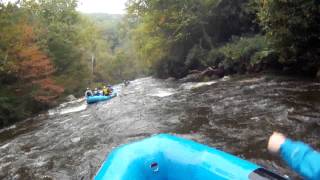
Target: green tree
292 27
169 31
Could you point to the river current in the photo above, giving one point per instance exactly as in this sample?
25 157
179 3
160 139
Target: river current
233 114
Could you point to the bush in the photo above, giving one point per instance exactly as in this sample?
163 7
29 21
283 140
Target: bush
196 58
12 109
242 53
214 57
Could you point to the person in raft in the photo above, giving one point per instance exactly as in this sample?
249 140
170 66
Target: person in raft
88 93
95 92
100 91
105 91
299 156
109 90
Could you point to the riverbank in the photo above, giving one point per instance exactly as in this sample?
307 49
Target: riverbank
15 108
213 73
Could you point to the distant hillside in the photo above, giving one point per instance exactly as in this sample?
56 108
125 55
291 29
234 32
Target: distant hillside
109 24
106 19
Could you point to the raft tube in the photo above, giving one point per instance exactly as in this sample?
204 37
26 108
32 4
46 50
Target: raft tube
95 99
166 157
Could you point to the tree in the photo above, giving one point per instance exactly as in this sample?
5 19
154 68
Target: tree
169 30
35 68
10 35
292 27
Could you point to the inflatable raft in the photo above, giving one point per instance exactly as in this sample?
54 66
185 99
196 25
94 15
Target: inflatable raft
166 157
95 99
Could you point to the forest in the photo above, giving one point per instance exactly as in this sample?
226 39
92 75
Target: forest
241 36
49 50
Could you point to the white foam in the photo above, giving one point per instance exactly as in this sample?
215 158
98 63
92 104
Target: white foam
86 115
225 78
39 163
75 140
5 146
72 102
69 119
8 128
52 112
74 109
163 93
192 85
252 80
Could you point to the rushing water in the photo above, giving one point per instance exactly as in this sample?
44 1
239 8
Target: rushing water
233 114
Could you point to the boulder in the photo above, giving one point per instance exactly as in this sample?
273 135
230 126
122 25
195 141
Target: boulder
318 74
196 77
170 79
210 73
214 77
195 71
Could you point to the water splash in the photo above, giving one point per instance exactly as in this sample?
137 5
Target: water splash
193 85
162 92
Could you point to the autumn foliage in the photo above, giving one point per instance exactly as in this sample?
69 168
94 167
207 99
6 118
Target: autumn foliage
43 56
36 69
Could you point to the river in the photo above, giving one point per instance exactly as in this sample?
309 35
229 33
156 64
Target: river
233 114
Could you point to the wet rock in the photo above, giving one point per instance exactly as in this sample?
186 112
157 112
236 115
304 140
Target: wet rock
220 72
208 72
318 74
71 98
194 71
192 78
211 73
170 79
214 77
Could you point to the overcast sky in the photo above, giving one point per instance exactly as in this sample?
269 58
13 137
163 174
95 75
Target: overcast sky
98 6
102 6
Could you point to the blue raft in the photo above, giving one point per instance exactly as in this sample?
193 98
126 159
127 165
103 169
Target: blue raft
166 157
95 99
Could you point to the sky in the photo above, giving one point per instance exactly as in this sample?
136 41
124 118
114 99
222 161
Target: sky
102 6
98 6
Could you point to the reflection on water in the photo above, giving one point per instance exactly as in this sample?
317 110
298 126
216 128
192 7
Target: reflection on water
233 114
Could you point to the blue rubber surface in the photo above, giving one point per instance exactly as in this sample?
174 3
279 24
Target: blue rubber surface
95 99
166 157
